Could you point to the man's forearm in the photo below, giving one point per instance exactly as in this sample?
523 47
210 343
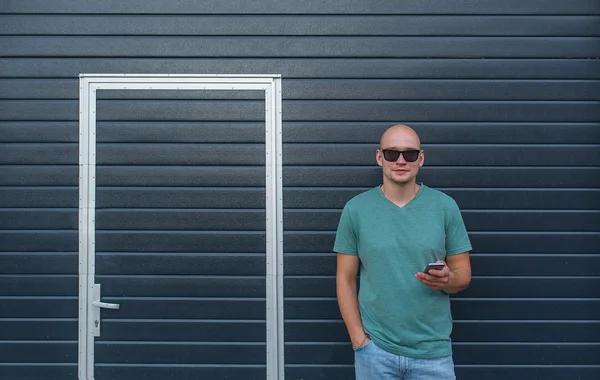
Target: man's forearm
458 280
348 303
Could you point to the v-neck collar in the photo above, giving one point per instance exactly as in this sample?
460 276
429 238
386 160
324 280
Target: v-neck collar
417 195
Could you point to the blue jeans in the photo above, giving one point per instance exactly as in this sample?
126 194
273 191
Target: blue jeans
373 363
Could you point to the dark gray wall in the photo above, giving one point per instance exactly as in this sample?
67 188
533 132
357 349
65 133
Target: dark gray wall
505 95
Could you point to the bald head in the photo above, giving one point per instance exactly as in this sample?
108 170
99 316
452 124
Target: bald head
400 136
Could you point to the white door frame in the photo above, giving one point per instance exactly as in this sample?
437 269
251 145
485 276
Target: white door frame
90 301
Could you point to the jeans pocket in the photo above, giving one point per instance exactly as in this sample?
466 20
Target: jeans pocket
361 349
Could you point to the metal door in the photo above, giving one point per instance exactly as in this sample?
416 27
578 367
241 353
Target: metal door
180 227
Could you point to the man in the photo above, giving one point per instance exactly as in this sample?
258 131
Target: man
400 322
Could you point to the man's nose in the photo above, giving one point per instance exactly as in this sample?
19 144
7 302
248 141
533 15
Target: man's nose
401 159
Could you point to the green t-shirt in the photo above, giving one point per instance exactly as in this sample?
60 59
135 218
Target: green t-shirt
400 314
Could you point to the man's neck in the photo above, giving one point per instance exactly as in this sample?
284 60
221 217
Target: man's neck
398 194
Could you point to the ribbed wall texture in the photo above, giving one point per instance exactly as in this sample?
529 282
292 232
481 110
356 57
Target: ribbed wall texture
505 96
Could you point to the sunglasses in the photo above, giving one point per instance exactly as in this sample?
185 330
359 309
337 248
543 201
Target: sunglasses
392 155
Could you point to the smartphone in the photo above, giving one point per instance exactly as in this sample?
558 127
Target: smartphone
436 266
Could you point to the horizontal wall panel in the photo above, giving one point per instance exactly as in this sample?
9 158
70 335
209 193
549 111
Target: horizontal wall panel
124 132
485 220
39 241
463 331
566 264
123 95
33 286
247 46
523 331
293 7
494 354
503 199
195 94
188 219
182 286
164 353
281 25
500 242
321 372
133 110
181 132
42 175
311 220
446 133
447 177
467 309
440 90
17 175
480 287
39 307
332 89
38 352
39 263
39 219
533 221
457 111
155 241
36 329
445 155
148 372
501 372
31 132
56 88
526 309
14 110
312 68
187 308
544 199
157 372
180 154
298 154
137 286
52 371
148 263
315 331
193 197
186 110
536 242
184 330
463 372
139 308
311 110
178 241
527 354
180 176
39 197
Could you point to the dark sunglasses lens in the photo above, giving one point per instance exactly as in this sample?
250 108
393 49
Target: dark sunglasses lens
411 155
391 155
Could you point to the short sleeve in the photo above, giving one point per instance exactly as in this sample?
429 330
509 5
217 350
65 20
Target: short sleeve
346 240
457 238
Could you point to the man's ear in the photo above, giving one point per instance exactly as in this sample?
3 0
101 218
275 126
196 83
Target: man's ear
421 158
379 157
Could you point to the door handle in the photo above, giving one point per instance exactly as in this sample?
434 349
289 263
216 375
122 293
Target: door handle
106 305
96 306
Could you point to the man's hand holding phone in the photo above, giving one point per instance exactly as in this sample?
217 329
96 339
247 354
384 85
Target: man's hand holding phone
435 275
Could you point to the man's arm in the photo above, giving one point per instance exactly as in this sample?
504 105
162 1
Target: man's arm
347 296
453 278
